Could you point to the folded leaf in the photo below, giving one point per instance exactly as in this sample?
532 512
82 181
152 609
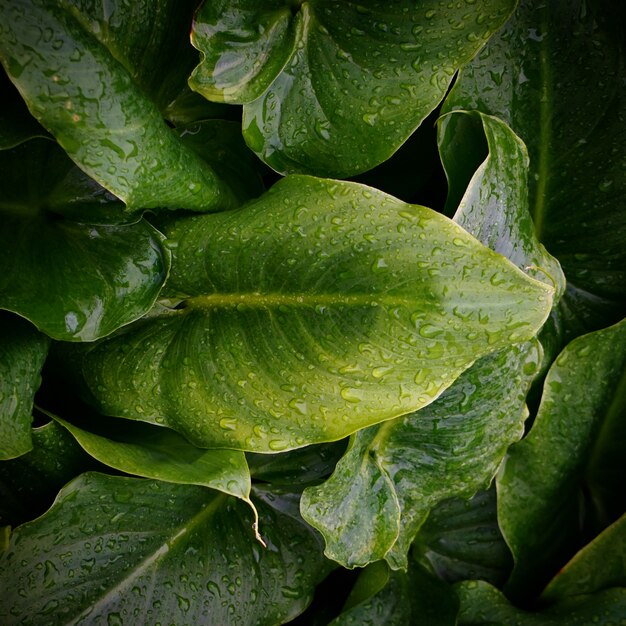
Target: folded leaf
335 88
554 73
75 281
575 447
86 82
484 605
319 309
126 551
393 474
23 351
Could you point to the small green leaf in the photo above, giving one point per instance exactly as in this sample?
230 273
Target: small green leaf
483 605
23 351
160 453
386 598
572 449
554 73
319 309
393 474
126 551
85 81
461 540
75 281
600 565
330 88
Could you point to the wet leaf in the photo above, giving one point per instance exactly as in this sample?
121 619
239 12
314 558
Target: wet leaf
483 605
600 565
566 477
88 78
23 351
554 73
118 550
160 453
332 88
319 309
395 473
386 598
75 281
461 540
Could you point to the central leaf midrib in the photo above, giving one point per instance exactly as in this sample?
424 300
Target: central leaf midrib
304 300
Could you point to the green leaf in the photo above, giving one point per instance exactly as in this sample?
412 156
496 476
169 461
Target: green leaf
75 281
461 540
386 598
393 474
126 551
600 565
483 605
319 309
89 80
23 351
29 483
554 73
575 447
330 88
494 207
162 454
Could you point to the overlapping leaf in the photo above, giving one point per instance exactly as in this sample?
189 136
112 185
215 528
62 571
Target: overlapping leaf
483 605
75 281
386 598
126 551
574 448
319 309
95 79
393 474
555 73
334 88
22 353
461 540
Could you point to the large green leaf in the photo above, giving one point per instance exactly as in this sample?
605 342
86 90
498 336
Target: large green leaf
573 453
484 605
23 351
319 309
555 74
461 540
600 565
386 598
131 551
75 281
334 88
88 75
393 474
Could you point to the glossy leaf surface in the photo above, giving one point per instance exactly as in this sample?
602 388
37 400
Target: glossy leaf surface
574 447
23 351
319 309
555 74
600 565
162 454
75 281
335 88
396 599
393 474
484 605
78 72
173 553
461 540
